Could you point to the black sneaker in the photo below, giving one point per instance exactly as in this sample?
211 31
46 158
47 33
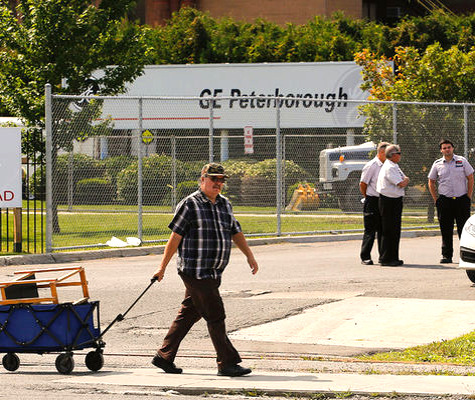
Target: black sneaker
446 260
234 370
367 262
167 366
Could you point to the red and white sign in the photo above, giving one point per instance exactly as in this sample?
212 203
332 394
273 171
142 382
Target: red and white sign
248 140
10 168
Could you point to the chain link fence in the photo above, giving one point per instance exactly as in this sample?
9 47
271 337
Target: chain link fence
118 166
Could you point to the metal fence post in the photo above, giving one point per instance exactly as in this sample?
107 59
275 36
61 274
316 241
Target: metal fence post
211 131
465 131
173 140
49 172
139 173
70 179
278 166
395 123
284 158
224 145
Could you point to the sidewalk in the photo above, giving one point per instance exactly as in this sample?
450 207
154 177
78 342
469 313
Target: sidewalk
280 383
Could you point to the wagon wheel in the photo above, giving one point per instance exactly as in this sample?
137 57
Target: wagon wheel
11 362
65 363
94 360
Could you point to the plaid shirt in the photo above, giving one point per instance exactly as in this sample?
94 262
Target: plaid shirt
207 229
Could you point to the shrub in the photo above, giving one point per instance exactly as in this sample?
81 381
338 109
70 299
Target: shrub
37 183
94 191
236 169
82 167
184 189
113 165
329 200
258 187
156 180
267 169
189 170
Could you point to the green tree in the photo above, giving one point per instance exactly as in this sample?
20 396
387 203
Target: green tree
436 27
46 41
191 36
229 42
432 75
186 39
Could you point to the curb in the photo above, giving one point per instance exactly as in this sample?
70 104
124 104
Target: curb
51 258
284 384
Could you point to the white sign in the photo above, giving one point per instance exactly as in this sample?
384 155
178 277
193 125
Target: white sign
308 94
10 168
248 140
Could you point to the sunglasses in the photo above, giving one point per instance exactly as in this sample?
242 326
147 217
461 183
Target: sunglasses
397 152
216 179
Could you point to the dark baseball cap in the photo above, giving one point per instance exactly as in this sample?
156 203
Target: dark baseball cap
214 169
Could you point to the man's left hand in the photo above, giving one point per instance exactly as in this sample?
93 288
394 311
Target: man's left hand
253 264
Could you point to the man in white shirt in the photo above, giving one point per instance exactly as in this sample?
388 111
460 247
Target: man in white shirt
455 177
390 186
371 215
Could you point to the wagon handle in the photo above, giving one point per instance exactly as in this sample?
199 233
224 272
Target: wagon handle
121 317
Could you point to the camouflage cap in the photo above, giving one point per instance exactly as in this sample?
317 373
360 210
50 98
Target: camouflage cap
214 169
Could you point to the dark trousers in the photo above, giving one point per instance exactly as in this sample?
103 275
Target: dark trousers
451 209
372 227
202 299
391 211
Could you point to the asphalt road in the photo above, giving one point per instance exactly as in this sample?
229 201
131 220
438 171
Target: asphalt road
293 269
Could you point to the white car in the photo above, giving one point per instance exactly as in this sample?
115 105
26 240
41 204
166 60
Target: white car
467 248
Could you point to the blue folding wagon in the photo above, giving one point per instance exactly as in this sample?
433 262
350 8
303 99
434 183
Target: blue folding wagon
30 323
27 325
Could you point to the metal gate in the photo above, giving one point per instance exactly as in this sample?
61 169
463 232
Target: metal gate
22 230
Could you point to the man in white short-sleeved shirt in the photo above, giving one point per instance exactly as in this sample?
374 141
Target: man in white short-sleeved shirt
390 186
455 177
371 216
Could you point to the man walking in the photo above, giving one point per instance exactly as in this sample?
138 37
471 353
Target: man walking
202 230
371 216
455 177
390 186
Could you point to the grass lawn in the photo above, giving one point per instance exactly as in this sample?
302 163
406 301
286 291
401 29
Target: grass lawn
88 225
93 228
460 350
32 235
